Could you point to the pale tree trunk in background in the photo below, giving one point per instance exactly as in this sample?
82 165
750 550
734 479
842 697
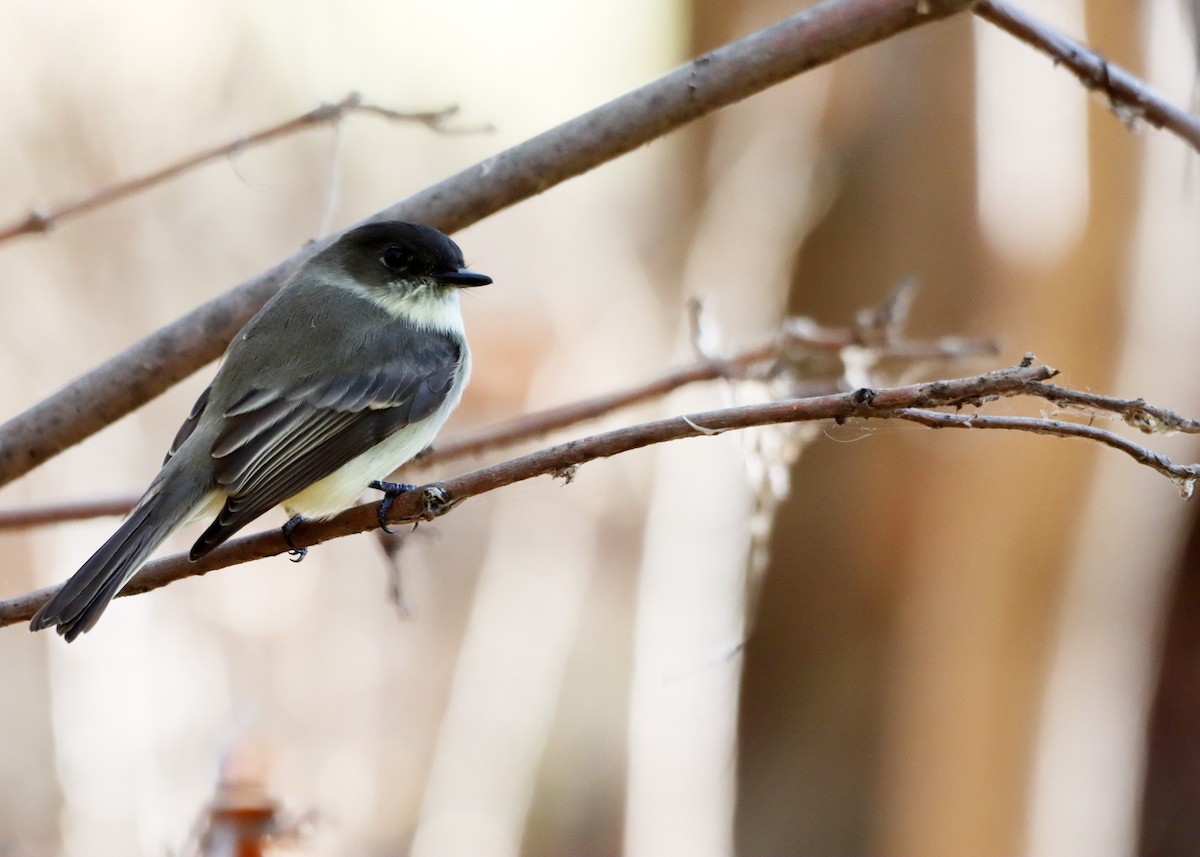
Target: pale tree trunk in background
900 147
892 683
1169 824
1090 756
975 635
991 535
745 189
30 786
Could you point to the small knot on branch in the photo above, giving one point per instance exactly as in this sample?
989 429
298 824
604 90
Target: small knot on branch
330 111
435 502
863 397
566 474
38 221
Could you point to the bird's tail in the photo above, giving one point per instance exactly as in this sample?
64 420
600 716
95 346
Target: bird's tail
77 605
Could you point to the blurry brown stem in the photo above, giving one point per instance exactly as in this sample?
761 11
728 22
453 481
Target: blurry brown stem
21 518
1129 97
808 39
434 119
795 337
564 458
38 221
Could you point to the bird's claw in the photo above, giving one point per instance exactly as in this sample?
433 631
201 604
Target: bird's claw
297 553
391 490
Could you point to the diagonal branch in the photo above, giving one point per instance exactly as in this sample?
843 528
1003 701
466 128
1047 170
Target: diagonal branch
797 336
1130 98
808 39
562 459
913 403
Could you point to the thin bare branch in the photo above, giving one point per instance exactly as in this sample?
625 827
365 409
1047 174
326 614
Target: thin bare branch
437 120
1130 98
795 338
913 403
77 510
436 499
1183 475
808 39
42 221
1143 417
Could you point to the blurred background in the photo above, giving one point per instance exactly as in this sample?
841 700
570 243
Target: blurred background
942 644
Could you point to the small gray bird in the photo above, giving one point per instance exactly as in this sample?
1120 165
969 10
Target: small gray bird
345 374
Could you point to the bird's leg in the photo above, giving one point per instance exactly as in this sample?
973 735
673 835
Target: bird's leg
391 490
287 529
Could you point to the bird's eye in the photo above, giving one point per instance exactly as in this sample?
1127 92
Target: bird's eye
397 258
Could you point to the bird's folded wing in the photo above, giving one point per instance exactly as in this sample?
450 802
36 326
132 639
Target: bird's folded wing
274 444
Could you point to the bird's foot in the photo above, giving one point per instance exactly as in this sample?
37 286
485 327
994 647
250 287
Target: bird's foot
391 490
287 529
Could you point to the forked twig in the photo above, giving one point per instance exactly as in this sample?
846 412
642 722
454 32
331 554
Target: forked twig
757 360
914 403
41 221
436 499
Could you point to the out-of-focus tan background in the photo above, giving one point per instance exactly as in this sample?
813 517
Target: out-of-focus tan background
954 647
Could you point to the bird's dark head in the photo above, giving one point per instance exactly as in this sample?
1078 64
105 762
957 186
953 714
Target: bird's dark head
396 253
411 270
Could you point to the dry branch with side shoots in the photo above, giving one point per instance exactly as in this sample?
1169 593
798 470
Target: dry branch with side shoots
798 337
914 402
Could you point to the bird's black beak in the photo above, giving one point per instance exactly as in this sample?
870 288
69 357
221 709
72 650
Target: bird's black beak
463 277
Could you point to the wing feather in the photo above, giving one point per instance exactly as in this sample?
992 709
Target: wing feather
189 424
254 429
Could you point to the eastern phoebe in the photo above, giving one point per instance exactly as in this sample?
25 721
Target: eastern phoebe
345 374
